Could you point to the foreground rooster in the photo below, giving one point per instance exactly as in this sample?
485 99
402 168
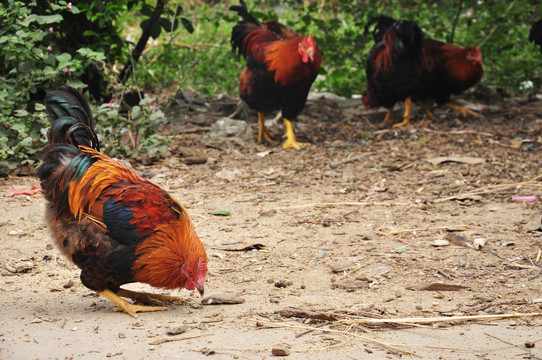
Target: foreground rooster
406 65
281 67
117 227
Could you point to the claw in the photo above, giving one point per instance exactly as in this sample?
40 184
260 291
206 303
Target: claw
406 116
387 120
125 306
460 110
263 134
290 137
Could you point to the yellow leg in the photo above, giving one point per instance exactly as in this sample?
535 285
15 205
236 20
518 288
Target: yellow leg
427 111
263 134
460 110
290 137
123 305
406 116
387 119
147 298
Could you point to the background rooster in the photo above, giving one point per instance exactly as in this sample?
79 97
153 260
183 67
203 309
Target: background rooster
116 226
406 65
281 67
535 34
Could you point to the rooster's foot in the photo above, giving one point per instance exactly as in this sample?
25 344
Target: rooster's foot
128 308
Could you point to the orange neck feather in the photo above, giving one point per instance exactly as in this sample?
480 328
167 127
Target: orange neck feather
454 59
163 254
283 58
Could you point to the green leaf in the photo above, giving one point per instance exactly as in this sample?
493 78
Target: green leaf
31 18
156 115
187 25
21 113
220 213
145 10
64 57
136 112
26 142
166 24
156 29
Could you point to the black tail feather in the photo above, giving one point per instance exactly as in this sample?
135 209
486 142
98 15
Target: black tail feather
244 14
242 29
71 118
72 126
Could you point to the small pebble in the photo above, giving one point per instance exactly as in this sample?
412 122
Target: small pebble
321 255
282 283
177 329
280 350
479 243
440 242
121 335
529 344
68 285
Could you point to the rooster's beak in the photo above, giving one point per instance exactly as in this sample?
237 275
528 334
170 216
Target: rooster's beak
201 290
311 55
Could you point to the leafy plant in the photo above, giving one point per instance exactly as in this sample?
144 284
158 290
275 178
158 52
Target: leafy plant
30 63
132 133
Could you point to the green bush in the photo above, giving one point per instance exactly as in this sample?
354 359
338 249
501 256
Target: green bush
31 62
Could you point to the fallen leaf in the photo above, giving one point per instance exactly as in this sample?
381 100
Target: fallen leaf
436 287
343 266
516 144
350 284
222 299
245 247
22 191
462 160
220 213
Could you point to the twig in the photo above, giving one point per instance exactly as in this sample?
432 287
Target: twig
339 204
163 341
455 21
349 272
504 341
348 160
325 347
150 47
424 229
308 331
490 189
439 319
441 272
389 346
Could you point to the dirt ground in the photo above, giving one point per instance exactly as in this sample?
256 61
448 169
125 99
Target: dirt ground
345 231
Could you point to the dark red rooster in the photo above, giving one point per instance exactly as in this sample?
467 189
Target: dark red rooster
281 67
406 65
117 227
